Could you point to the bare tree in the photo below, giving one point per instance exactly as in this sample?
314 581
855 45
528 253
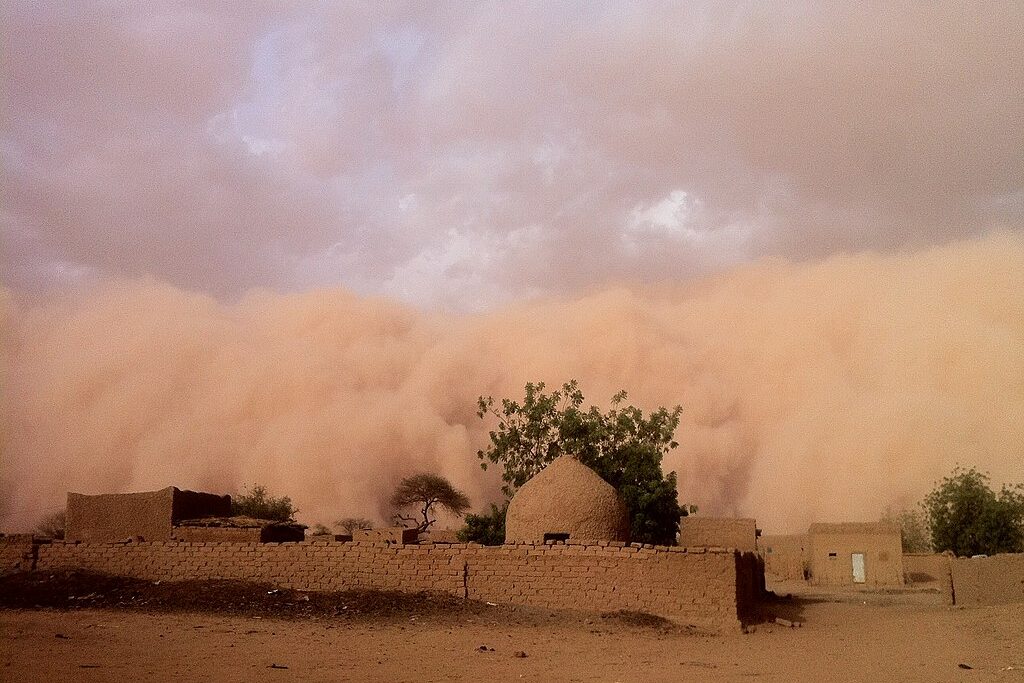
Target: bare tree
424 492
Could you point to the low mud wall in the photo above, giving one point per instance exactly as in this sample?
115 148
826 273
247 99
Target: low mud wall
711 589
929 570
995 580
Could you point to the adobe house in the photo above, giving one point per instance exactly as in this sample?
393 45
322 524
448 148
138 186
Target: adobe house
166 515
855 554
718 532
785 556
566 500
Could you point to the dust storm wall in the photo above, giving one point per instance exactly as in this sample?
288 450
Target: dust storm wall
851 384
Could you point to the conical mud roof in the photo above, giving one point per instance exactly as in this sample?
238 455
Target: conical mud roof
567 497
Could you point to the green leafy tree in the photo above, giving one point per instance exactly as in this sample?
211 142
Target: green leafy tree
257 503
351 524
967 517
52 525
425 492
913 529
487 528
622 445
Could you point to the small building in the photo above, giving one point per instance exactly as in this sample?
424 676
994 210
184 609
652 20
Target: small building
169 514
739 533
855 553
566 500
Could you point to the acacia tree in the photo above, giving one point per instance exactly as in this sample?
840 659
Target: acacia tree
425 492
622 445
967 517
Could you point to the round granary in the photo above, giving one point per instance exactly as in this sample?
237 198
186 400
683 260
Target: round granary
566 500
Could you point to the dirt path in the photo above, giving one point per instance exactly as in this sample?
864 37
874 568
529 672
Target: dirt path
839 642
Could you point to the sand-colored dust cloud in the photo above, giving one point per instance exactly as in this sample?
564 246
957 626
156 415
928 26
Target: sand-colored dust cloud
820 391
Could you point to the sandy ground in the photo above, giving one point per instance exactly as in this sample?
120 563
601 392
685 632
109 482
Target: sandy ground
884 638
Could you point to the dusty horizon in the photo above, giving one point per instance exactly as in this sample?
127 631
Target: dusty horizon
811 391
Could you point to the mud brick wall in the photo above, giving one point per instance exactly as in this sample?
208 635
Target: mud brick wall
929 570
995 580
721 532
711 589
785 556
16 553
695 587
317 565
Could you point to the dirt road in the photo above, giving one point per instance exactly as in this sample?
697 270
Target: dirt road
840 641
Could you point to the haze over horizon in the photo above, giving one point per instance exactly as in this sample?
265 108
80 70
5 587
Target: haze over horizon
292 243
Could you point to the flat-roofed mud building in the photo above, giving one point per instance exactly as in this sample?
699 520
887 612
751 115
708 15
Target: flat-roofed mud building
855 553
166 515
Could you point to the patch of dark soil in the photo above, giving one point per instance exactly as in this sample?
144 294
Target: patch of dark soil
76 590
640 619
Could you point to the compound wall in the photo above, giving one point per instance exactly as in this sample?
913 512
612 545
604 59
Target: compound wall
785 556
722 532
712 590
994 580
929 570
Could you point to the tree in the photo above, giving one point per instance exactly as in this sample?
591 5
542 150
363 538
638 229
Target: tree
52 525
487 528
425 492
967 517
257 503
622 445
913 529
351 524
320 529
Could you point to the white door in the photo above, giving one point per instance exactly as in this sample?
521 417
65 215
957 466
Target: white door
858 567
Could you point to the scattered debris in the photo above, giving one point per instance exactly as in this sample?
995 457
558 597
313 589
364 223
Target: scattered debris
964 666
787 623
520 654
277 666
484 648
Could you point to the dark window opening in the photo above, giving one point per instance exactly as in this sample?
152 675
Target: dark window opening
556 537
832 555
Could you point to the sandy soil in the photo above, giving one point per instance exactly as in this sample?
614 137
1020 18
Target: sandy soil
839 641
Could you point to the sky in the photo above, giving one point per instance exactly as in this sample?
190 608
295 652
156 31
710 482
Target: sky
432 172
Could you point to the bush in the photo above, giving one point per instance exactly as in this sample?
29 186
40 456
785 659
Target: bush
487 528
259 504
349 525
